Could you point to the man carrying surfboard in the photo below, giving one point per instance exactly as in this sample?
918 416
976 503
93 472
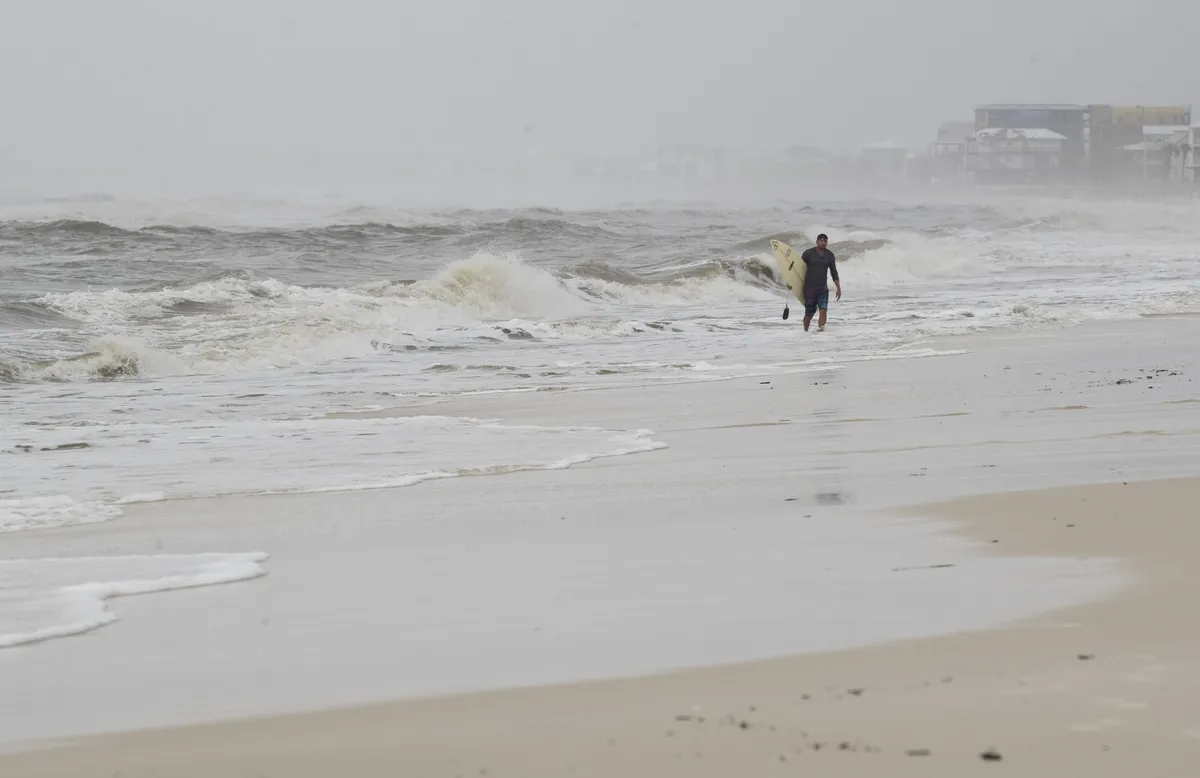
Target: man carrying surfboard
821 265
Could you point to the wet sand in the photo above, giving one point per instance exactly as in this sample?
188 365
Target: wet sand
1106 689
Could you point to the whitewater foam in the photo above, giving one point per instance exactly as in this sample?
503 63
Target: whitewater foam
209 457
107 358
489 286
135 499
912 258
42 599
50 511
718 289
251 325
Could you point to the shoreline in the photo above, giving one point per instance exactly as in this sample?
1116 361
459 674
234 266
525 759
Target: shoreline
921 458
1110 682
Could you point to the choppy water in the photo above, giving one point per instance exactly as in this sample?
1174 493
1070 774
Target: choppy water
158 350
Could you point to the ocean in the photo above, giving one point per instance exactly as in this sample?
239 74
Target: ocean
154 351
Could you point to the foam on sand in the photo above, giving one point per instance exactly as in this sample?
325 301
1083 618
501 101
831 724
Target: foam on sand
57 510
61 475
41 599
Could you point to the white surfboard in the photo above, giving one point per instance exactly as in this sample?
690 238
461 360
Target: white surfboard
791 267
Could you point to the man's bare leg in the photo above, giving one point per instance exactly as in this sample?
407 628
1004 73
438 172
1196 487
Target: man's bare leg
807 319
820 321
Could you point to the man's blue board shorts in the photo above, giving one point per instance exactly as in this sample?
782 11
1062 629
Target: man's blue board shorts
814 299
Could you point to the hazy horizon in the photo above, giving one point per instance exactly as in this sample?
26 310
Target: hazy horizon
138 96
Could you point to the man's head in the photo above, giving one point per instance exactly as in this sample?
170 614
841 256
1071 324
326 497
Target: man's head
822 241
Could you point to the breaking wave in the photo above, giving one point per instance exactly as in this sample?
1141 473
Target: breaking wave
909 258
107 358
236 322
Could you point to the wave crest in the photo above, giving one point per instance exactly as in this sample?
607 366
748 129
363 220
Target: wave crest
495 287
235 323
110 358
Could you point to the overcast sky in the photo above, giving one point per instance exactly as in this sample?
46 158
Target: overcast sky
113 85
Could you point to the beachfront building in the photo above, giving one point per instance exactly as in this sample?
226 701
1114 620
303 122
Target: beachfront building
1068 121
1123 140
1015 156
1192 171
1162 154
1177 153
948 154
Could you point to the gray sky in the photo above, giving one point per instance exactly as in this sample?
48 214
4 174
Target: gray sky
111 88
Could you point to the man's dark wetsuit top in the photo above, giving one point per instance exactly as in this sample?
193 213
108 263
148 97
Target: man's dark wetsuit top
820 267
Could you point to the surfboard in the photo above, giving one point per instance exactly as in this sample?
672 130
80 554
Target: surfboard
791 267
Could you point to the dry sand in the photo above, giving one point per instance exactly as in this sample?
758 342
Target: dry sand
1107 689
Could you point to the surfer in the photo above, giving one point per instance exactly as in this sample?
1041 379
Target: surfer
821 266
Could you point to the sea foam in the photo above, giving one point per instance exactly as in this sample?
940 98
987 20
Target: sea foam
41 599
63 476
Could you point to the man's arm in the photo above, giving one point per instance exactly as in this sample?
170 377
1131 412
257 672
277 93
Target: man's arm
834 275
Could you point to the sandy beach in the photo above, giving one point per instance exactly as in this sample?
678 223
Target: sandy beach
1012 595
1100 690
